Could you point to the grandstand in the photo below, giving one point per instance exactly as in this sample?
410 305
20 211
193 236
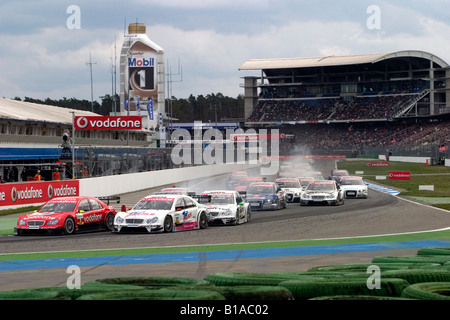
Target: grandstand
352 103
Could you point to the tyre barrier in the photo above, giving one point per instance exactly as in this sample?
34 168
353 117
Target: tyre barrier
425 276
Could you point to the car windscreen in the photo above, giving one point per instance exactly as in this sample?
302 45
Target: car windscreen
289 184
259 190
217 199
321 187
305 183
58 207
154 204
352 182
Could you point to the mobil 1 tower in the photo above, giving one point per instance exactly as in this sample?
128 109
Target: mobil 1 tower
142 77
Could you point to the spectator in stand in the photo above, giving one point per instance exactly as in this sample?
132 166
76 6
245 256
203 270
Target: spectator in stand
37 176
56 175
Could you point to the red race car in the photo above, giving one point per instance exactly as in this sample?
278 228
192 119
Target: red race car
68 215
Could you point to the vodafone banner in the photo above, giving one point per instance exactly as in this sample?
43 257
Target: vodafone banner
108 123
378 164
399 175
36 192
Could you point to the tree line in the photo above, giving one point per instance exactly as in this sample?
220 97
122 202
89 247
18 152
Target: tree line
209 108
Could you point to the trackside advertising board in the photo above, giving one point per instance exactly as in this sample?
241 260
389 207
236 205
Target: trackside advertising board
108 123
36 192
399 175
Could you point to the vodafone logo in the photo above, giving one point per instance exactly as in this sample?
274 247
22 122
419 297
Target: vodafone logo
108 123
82 122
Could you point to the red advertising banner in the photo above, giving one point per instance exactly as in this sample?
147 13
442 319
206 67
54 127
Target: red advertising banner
36 192
399 175
108 123
378 164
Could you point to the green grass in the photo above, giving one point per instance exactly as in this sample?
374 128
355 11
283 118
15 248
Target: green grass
421 174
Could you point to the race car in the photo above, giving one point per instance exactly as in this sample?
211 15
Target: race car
245 182
68 215
265 196
234 179
305 181
354 187
226 207
322 192
337 174
167 213
291 187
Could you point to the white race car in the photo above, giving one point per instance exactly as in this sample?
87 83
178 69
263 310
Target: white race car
322 192
171 212
292 188
226 206
354 187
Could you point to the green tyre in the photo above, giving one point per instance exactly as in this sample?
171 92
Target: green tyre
169 293
441 259
419 275
153 281
427 251
254 293
254 279
428 291
304 290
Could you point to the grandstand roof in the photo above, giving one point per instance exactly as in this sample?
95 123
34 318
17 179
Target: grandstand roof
27 111
286 63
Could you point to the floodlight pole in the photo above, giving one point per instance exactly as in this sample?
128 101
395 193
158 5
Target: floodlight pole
90 63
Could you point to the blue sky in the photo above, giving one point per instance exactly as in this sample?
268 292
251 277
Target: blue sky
41 57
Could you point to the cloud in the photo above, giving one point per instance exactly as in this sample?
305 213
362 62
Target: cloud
211 39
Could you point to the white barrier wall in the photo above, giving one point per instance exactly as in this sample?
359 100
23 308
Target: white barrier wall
406 159
118 184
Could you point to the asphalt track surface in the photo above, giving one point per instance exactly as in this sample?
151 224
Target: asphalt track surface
273 238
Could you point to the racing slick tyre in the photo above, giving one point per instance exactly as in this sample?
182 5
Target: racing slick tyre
69 226
109 221
203 221
168 224
236 220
